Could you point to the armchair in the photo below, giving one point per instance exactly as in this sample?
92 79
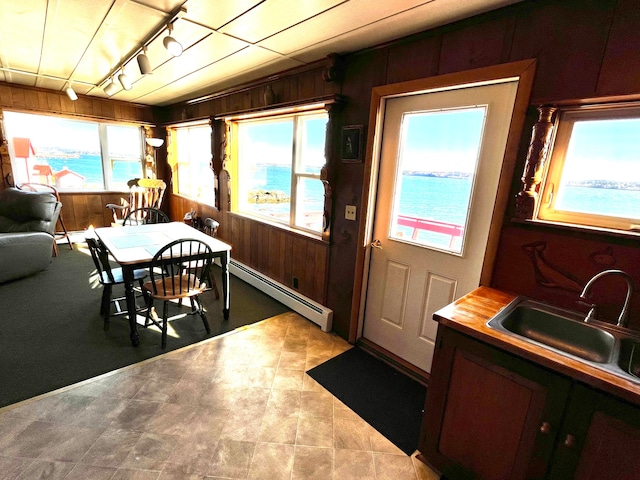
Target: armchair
27 231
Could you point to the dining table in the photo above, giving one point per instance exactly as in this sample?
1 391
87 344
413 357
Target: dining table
133 247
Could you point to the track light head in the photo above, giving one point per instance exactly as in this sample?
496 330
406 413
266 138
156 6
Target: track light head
71 93
124 81
171 44
143 63
111 88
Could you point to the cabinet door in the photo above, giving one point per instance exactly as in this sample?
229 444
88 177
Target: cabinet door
488 414
599 439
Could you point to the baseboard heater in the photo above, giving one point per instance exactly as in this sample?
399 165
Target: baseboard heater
306 307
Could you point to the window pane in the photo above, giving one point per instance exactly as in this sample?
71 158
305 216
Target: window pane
312 131
265 162
438 156
195 176
56 151
601 173
309 204
125 154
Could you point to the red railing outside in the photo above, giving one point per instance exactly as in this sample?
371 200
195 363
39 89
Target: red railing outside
434 226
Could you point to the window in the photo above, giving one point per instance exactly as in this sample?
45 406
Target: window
73 154
278 168
593 175
190 148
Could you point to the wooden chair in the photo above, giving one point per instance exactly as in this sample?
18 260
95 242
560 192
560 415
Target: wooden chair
211 228
108 277
42 187
175 275
144 216
143 192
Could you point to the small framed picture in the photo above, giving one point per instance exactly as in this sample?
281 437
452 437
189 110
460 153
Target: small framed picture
351 144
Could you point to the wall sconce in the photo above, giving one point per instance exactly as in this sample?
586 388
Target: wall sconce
154 143
171 44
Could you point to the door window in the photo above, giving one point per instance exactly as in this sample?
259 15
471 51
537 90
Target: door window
437 159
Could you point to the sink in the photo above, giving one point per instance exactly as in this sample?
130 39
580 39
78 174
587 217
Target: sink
557 329
601 345
629 357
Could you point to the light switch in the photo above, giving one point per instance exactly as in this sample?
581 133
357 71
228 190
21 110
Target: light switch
350 212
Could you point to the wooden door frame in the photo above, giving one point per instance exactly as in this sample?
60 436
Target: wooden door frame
524 71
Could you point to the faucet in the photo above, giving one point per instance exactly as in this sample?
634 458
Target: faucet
624 313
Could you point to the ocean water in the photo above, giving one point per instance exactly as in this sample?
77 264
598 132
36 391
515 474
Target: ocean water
90 167
444 198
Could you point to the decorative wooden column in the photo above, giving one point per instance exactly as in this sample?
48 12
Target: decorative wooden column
6 170
219 148
536 159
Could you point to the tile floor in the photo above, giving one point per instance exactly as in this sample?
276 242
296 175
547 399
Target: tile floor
238 406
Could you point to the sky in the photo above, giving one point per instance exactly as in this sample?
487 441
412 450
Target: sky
442 141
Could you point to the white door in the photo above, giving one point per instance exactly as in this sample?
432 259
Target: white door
440 162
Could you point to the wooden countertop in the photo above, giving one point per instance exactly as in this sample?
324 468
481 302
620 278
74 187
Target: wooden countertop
470 314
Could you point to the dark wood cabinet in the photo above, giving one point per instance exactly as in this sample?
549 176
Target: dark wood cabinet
492 415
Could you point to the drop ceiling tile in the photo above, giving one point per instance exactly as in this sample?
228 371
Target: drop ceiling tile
248 64
19 45
274 16
218 13
125 27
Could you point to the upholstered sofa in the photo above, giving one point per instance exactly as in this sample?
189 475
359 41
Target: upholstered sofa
27 226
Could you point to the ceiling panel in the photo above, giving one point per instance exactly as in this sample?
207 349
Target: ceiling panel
216 14
274 16
20 46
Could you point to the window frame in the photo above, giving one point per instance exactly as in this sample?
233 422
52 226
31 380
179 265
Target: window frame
107 161
545 210
232 124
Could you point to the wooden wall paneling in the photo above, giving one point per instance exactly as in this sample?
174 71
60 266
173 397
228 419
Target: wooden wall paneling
311 271
275 267
568 39
410 61
621 63
299 255
287 260
476 46
320 274
68 212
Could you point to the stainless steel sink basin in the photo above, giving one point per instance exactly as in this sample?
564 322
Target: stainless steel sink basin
629 357
557 329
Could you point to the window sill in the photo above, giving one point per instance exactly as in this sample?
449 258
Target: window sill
569 227
312 236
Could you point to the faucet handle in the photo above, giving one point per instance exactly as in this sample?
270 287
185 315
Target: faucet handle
591 315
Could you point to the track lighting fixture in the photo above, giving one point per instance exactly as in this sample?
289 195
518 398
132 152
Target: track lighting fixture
111 88
143 62
71 93
124 81
171 44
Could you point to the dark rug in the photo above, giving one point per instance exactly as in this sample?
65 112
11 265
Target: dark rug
51 330
389 401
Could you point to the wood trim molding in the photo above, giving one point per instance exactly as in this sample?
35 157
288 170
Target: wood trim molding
394 361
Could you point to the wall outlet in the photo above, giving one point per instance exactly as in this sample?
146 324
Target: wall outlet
350 212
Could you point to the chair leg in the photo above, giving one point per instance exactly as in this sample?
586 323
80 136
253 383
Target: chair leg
165 315
106 305
64 230
203 315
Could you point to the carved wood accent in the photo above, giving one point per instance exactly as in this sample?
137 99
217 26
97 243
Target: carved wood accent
537 153
6 169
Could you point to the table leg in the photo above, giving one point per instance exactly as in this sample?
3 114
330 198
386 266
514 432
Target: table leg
224 262
127 275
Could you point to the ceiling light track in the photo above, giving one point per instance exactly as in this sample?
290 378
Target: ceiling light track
140 52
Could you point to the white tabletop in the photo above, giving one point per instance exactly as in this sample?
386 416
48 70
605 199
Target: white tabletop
139 243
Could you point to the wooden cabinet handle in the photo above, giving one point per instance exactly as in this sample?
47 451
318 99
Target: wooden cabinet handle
545 428
569 441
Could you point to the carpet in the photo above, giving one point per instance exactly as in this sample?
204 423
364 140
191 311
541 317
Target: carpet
52 336
389 401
